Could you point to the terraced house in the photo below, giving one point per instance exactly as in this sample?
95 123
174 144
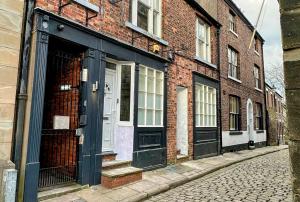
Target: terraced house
116 87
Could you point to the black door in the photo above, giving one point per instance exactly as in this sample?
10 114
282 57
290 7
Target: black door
59 143
206 138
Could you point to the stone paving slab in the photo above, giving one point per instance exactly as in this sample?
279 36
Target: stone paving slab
161 180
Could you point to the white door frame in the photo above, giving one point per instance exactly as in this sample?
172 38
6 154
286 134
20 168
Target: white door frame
117 96
250 121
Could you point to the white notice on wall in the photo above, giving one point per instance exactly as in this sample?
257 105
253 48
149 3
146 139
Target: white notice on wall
61 122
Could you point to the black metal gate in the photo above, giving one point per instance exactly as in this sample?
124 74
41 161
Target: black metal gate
59 143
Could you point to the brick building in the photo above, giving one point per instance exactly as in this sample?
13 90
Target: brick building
192 131
242 80
135 83
275 116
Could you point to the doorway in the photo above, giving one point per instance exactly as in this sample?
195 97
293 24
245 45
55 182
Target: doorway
250 123
110 107
59 142
182 121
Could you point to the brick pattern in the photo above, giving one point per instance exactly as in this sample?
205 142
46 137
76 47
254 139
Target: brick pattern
110 182
179 14
247 60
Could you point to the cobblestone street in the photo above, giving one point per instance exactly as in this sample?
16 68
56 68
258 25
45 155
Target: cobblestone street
264 178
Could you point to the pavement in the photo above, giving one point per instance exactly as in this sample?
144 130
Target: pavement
227 185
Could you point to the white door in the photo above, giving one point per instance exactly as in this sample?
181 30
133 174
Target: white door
250 122
182 121
110 109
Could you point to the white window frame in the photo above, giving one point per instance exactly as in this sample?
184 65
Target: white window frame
150 5
154 99
257 77
205 40
232 22
118 72
233 64
205 106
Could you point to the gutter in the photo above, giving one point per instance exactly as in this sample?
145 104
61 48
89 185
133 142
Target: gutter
220 89
23 82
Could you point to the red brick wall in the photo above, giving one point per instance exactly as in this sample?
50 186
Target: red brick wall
110 20
180 28
247 59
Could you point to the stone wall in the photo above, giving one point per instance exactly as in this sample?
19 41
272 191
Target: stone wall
11 15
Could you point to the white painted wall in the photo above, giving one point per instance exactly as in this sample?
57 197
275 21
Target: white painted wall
230 140
124 142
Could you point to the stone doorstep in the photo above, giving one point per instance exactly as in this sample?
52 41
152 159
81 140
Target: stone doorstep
108 165
108 156
52 193
119 172
120 176
182 158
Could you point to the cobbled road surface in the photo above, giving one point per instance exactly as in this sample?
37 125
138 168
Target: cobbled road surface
265 178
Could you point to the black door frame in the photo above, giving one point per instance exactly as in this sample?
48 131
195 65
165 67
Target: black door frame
98 47
201 147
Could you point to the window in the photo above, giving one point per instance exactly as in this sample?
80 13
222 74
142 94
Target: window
256 44
203 41
234 113
233 68
150 106
206 106
125 93
232 22
146 14
257 77
259 117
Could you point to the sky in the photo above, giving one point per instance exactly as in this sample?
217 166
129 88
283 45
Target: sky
269 27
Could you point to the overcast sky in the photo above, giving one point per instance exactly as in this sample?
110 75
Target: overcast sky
269 27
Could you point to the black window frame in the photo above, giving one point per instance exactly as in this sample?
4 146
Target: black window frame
236 115
258 117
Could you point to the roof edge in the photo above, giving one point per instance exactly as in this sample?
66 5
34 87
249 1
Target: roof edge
235 8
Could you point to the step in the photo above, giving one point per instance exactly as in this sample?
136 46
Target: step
182 158
56 192
108 156
120 176
108 165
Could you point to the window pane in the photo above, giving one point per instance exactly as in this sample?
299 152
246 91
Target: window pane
150 81
142 16
149 119
159 86
142 98
125 93
158 117
155 22
198 121
150 101
141 117
158 102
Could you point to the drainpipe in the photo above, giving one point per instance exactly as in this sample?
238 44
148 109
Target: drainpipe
265 98
23 82
220 89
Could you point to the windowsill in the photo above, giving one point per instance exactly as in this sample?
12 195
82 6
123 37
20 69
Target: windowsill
260 90
205 62
88 5
139 126
235 133
257 53
234 79
234 33
260 131
144 32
